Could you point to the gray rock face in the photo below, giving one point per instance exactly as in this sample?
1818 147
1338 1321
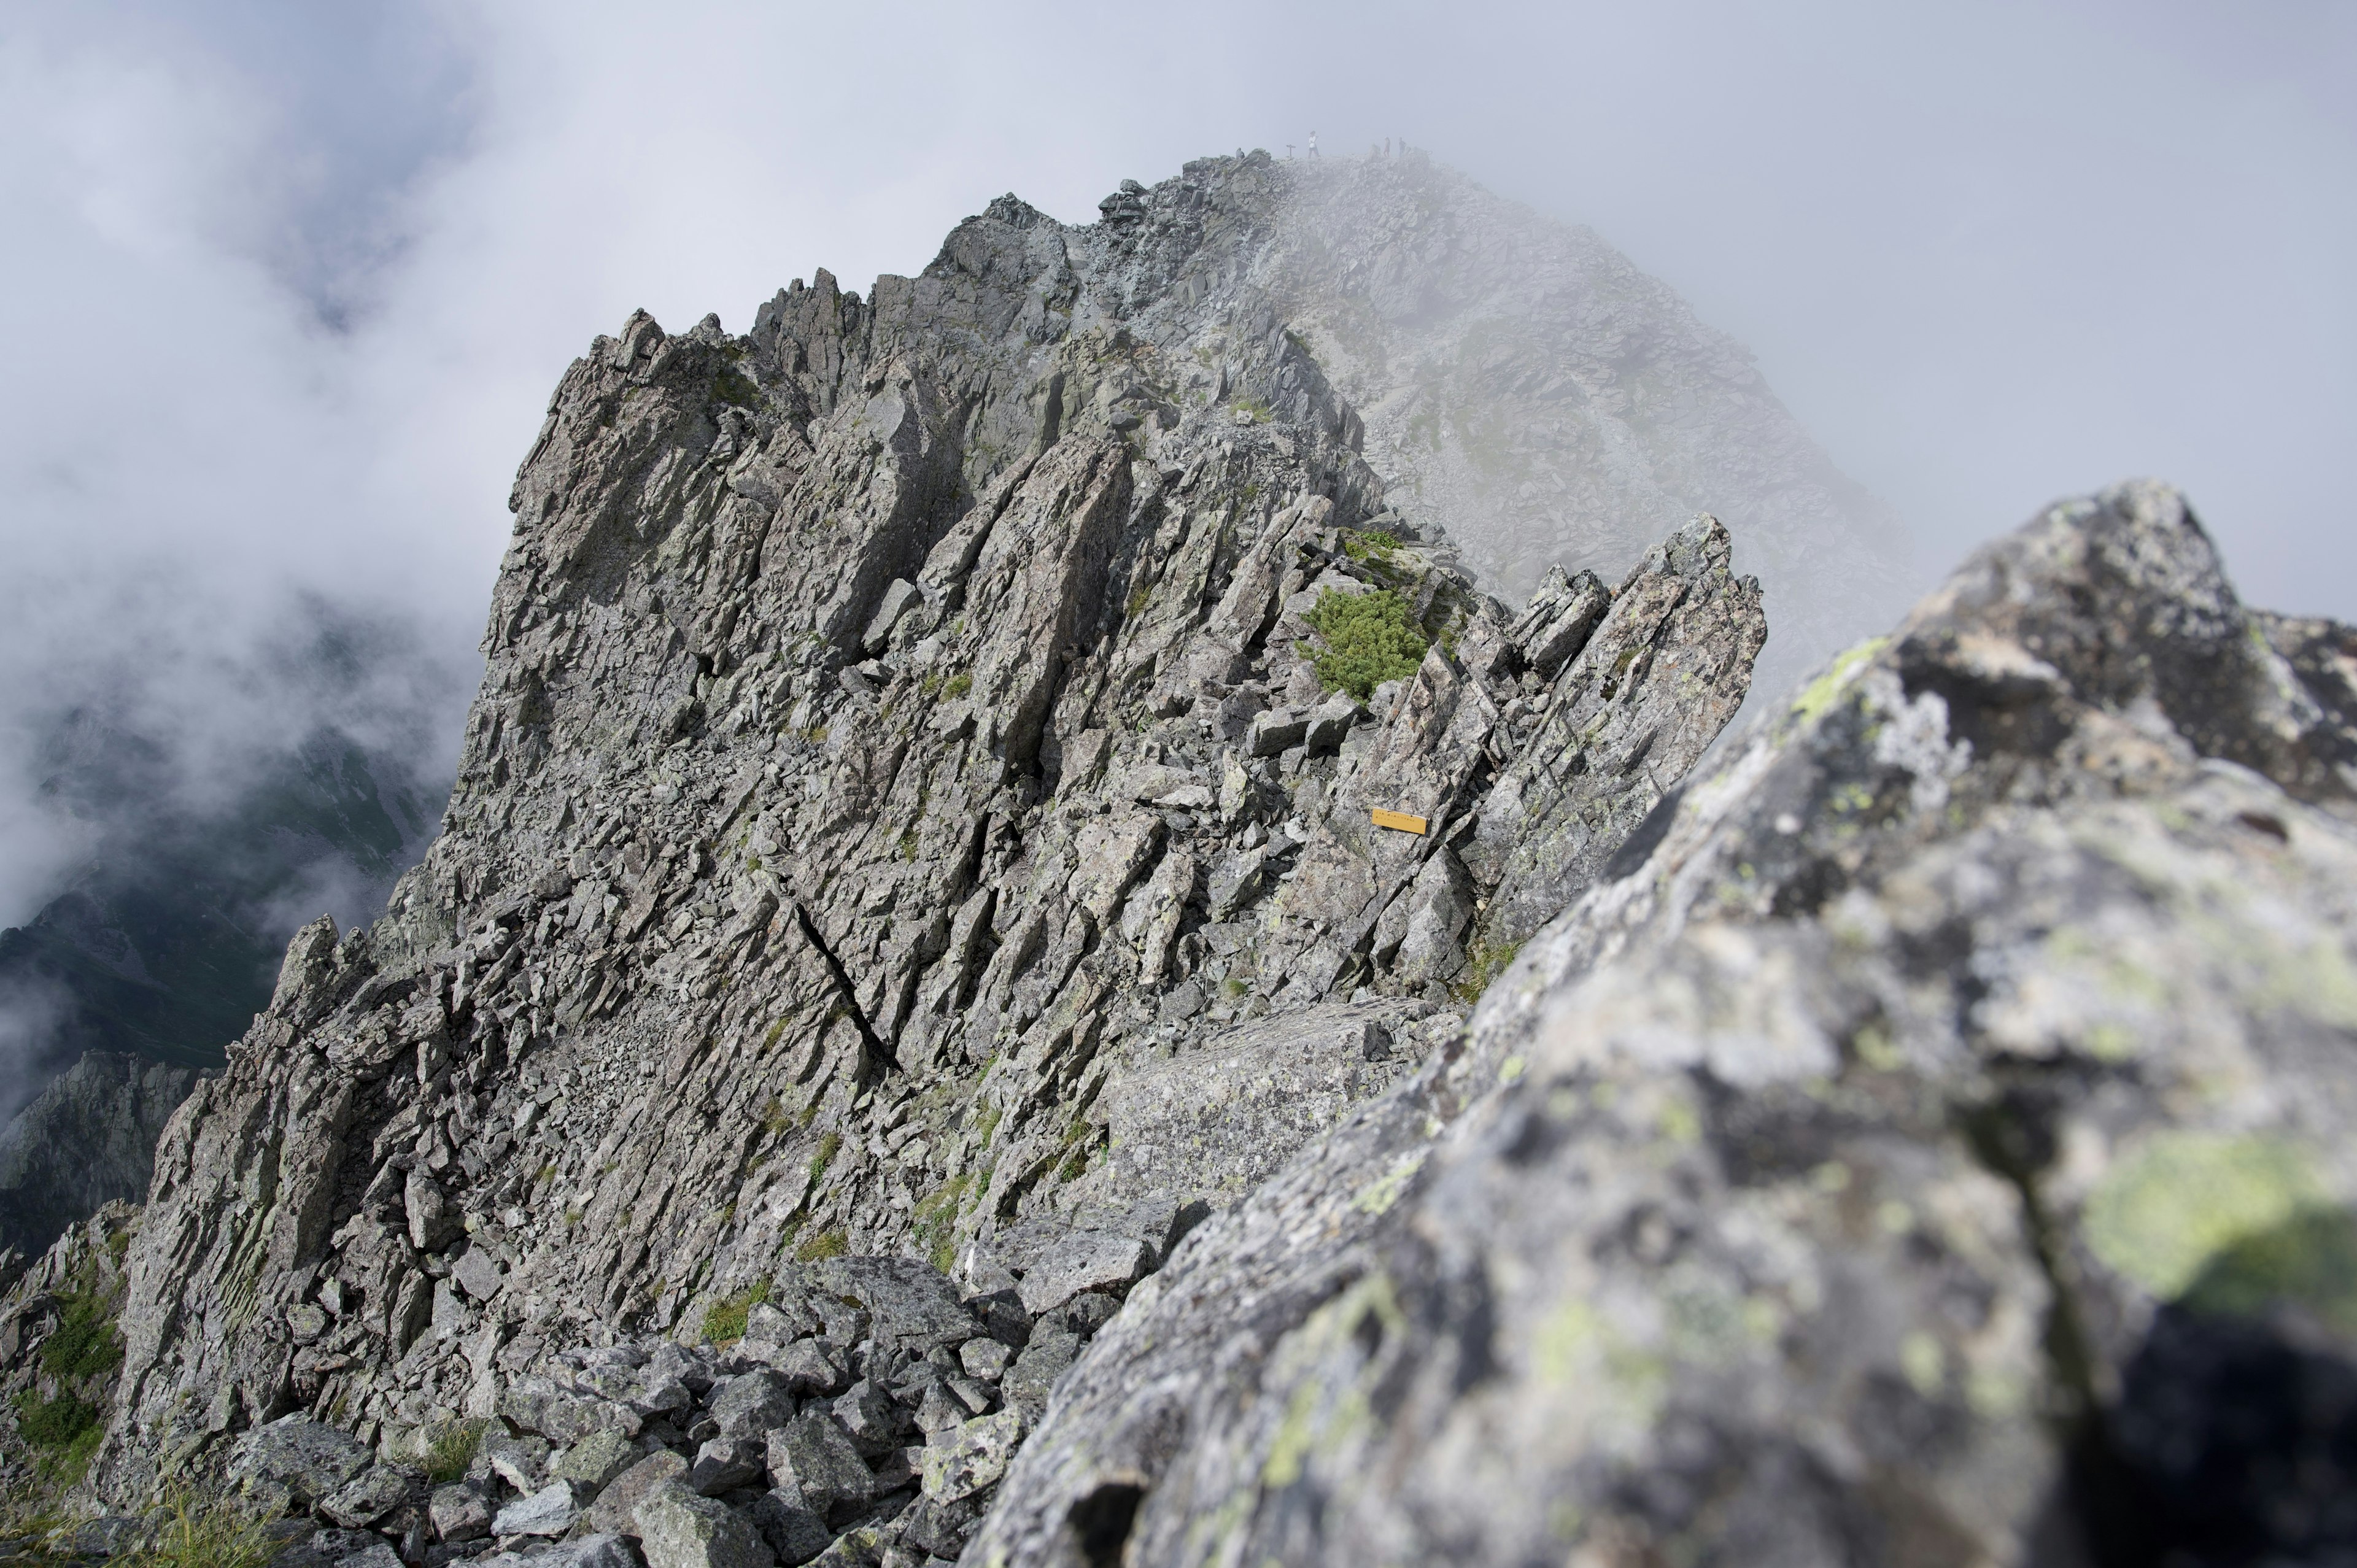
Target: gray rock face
87 1140
1918 1147
1648 691
310 1459
861 799
460 1512
549 1511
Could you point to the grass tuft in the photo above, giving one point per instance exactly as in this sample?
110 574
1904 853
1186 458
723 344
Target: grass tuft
826 1244
1484 963
724 1320
452 1449
85 1343
211 1532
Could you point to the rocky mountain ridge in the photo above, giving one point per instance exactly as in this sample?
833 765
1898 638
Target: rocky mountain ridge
922 804
916 1042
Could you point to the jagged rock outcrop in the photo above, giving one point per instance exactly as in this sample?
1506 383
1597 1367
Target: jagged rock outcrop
1533 396
1930 1142
86 1141
922 741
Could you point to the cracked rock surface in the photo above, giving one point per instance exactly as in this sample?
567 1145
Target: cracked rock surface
907 869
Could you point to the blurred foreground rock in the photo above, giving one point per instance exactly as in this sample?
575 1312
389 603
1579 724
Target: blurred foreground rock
1931 1143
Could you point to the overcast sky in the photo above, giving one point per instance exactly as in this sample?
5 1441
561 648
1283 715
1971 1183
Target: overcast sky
285 287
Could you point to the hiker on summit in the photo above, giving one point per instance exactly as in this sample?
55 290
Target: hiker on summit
1313 143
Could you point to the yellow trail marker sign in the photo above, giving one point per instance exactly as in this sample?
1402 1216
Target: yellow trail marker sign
1399 820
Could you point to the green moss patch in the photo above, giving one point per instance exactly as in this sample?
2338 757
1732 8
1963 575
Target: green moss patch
2227 1223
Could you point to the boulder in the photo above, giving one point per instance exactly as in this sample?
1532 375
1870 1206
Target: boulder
596 1460
459 1512
312 1461
975 1456
1084 1261
751 1405
813 1455
548 1511
677 1529
615 1512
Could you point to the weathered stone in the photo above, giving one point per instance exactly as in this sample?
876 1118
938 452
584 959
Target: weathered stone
676 1529
594 1551
1027 1384
909 1302
814 1457
973 1457
478 1273
1084 1261
1649 691
1329 723
870 1417
433 1220
615 1510
460 1512
366 1497
806 1370
751 1405
521 1462
596 1460
1275 731
725 1463
983 1359
548 1511
310 1460
791 1529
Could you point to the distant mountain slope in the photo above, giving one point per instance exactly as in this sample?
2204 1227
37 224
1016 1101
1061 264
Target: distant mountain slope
1525 383
167 940
87 1140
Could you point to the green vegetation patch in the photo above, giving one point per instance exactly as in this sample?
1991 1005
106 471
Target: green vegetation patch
54 1423
827 1146
936 1218
826 1244
85 1344
1484 963
451 1449
733 385
1368 639
724 1320
210 1532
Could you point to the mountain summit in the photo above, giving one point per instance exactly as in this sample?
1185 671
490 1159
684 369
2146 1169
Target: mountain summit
942 1023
